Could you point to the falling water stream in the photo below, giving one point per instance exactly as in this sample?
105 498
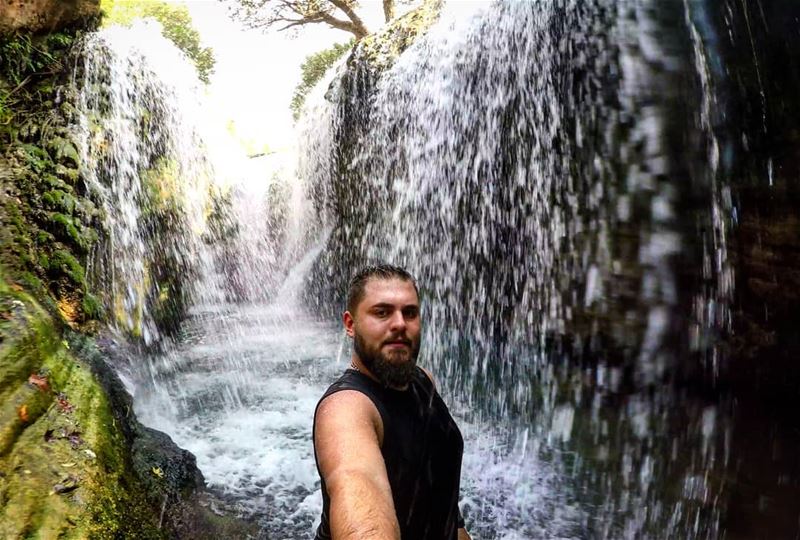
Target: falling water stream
557 177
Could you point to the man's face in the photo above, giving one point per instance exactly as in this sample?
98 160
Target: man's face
386 330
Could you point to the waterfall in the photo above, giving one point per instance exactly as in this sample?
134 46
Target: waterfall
525 163
145 161
559 176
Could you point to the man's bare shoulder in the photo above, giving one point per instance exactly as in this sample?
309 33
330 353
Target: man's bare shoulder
345 411
350 403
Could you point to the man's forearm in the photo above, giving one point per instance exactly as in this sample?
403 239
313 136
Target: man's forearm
361 510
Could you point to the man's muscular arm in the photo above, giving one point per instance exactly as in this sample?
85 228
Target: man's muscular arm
347 439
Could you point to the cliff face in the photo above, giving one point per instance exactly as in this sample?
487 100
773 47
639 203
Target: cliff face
65 441
350 95
45 15
74 461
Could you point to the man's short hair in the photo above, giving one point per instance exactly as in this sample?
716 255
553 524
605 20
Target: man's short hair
379 271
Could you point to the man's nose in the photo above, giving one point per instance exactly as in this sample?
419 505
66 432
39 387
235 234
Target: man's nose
397 320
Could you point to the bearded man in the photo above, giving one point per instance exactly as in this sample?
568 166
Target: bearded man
387 450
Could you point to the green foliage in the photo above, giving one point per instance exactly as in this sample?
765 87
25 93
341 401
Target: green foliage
37 159
19 57
27 62
92 307
176 23
313 68
62 262
6 113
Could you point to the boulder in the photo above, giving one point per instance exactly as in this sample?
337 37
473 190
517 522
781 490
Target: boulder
45 15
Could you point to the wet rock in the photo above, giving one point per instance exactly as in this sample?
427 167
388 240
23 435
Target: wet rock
63 151
67 485
172 481
168 471
380 50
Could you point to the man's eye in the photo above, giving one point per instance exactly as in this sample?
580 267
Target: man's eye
410 313
381 312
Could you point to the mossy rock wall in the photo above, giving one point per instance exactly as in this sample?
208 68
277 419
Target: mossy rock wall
74 461
54 239
49 223
63 456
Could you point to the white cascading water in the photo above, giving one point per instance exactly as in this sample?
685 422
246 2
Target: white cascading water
140 114
712 309
520 162
525 241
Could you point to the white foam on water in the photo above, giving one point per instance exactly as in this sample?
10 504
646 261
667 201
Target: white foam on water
250 428
249 422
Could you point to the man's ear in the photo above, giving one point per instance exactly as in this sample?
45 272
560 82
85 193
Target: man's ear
349 323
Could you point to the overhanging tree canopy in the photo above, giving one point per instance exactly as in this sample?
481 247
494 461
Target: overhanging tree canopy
285 14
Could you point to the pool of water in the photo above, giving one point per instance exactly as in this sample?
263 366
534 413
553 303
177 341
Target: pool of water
239 391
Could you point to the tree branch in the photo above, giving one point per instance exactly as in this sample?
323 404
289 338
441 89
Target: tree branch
360 29
388 10
266 13
347 26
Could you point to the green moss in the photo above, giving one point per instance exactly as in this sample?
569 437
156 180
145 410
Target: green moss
32 283
77 235
63 263
65 435
92 307
63 151
69 175
57 199
381 49
53 182
66 229
161 184
40 165
48 200
44 237
24 350
15 238
36 158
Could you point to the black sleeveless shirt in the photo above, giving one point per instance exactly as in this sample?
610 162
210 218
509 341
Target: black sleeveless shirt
422 449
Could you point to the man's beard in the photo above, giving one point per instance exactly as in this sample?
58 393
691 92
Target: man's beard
396 374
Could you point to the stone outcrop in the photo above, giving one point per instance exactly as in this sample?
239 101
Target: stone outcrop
75 461
62 454
45 15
